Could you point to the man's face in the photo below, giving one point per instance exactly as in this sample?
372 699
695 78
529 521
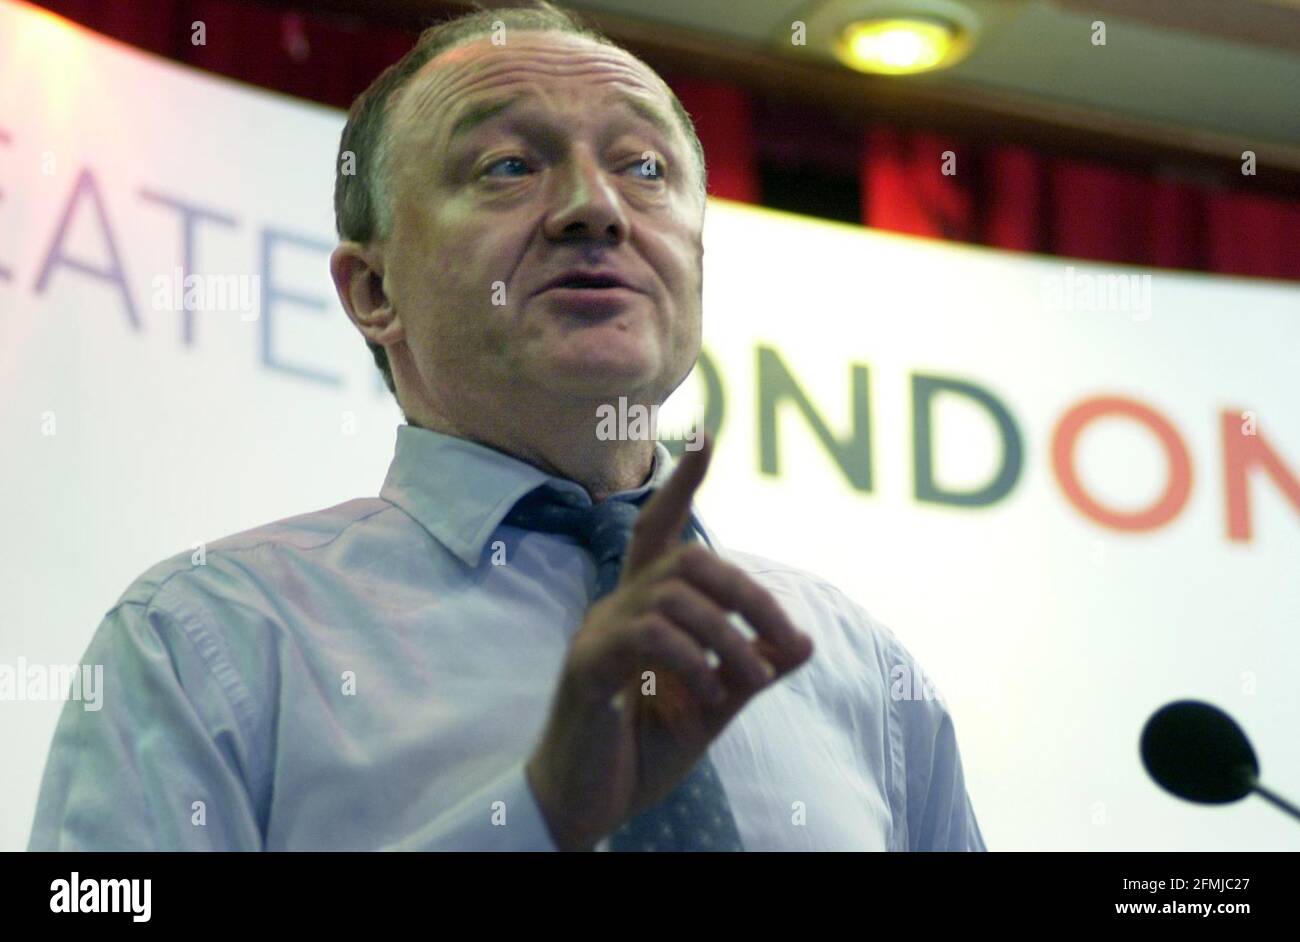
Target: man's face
487 213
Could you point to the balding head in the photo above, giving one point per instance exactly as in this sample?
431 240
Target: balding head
507 165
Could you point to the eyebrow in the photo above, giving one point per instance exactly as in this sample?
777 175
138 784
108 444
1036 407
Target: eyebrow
480 113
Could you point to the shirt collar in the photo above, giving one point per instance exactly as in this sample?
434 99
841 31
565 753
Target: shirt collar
460 490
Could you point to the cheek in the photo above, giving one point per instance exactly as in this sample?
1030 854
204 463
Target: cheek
471 263
436 272
675 254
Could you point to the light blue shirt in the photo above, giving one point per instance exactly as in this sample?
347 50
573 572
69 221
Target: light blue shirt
376 674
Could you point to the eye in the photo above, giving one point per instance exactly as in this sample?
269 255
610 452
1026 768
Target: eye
503 160
649 167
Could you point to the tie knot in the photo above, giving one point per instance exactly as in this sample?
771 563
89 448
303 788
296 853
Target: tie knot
605 528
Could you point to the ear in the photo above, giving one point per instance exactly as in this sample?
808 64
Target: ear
358 274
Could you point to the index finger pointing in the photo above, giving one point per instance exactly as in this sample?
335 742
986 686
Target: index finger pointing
664 516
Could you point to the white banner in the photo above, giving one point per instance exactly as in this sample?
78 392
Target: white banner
1071 489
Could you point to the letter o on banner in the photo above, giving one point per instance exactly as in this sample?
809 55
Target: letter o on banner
1177 489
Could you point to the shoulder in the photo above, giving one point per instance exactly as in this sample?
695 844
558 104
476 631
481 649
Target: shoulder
248 562
220 614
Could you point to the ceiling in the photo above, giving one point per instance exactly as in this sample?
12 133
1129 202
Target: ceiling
1212 75
1181 87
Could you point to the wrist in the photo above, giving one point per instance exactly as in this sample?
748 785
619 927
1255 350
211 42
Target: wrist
566 836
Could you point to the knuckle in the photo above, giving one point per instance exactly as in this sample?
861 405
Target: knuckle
695 554
755 672
758 596
752 592
734 581
669 594
655 634
730 640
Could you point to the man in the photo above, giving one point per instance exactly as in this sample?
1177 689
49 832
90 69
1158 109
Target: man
502 651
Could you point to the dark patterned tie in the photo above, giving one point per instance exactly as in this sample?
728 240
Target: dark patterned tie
695 815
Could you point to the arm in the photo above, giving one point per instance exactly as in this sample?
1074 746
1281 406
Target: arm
158 766
176 727
938 809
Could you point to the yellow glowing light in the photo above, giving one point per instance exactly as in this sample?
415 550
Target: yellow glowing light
900 46
53 49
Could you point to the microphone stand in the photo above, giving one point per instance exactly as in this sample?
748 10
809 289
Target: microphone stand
1274 798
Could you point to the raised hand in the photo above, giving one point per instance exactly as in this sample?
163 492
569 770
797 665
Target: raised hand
611 750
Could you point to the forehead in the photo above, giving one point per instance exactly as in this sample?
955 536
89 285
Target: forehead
545 63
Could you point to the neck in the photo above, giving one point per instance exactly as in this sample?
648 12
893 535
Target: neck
563 445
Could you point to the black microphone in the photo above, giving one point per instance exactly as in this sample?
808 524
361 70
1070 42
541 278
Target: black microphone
1197 752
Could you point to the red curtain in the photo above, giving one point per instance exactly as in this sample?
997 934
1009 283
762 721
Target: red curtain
1014 198
723 115
1000 195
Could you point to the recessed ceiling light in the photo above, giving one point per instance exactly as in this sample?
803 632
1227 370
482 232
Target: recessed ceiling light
901 45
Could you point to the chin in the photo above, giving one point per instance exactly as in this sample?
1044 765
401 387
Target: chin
602 382
599 366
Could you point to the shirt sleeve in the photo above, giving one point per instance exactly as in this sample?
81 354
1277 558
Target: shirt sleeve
938 810
161 764
171 759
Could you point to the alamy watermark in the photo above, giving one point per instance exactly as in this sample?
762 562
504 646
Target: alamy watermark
908 682
215 294
75 895
636 422
23 681
1087 292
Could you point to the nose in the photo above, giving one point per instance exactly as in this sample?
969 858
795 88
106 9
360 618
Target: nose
585 203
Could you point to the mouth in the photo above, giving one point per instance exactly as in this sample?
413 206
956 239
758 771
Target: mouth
589 304
595 283
589 295
596 291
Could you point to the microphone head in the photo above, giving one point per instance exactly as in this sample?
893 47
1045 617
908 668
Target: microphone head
1197 752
